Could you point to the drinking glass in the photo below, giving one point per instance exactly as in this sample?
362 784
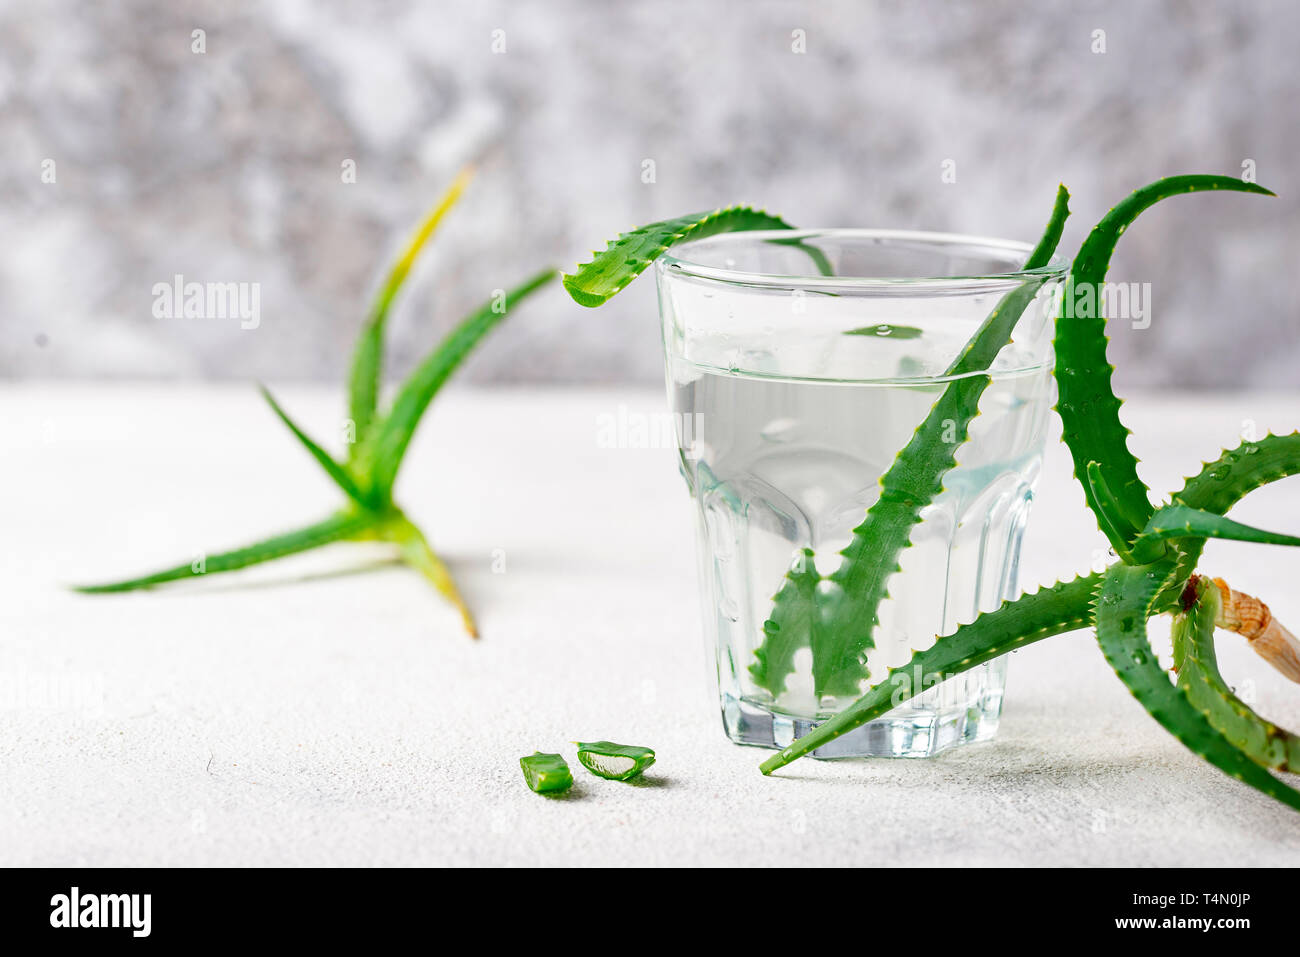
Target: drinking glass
799 364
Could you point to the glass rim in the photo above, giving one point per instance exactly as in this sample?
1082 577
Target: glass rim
679 262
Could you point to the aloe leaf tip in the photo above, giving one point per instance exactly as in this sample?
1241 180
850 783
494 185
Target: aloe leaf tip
580 295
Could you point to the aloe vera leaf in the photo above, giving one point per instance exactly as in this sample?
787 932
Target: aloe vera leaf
1124 603
368 358
886 331
331 467
417 553
1111 518
625 258
339 527
1229 478
1220 485
617 762
1180 521
1086 402
1032 617
391 437
1198 674
546 773
844 631
793 608
1237 472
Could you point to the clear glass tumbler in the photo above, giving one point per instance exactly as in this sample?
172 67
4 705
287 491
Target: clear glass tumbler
799 364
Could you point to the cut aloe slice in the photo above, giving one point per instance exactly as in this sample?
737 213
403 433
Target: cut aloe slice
546 773
618 762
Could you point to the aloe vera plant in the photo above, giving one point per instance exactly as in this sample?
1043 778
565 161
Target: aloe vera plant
379 439
1156 548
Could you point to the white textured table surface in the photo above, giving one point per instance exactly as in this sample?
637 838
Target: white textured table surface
301 714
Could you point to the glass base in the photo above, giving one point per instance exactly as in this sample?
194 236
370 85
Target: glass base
933 724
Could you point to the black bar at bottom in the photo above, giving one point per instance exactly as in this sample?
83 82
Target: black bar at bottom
137 906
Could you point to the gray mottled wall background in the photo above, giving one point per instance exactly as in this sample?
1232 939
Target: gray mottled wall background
226 165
